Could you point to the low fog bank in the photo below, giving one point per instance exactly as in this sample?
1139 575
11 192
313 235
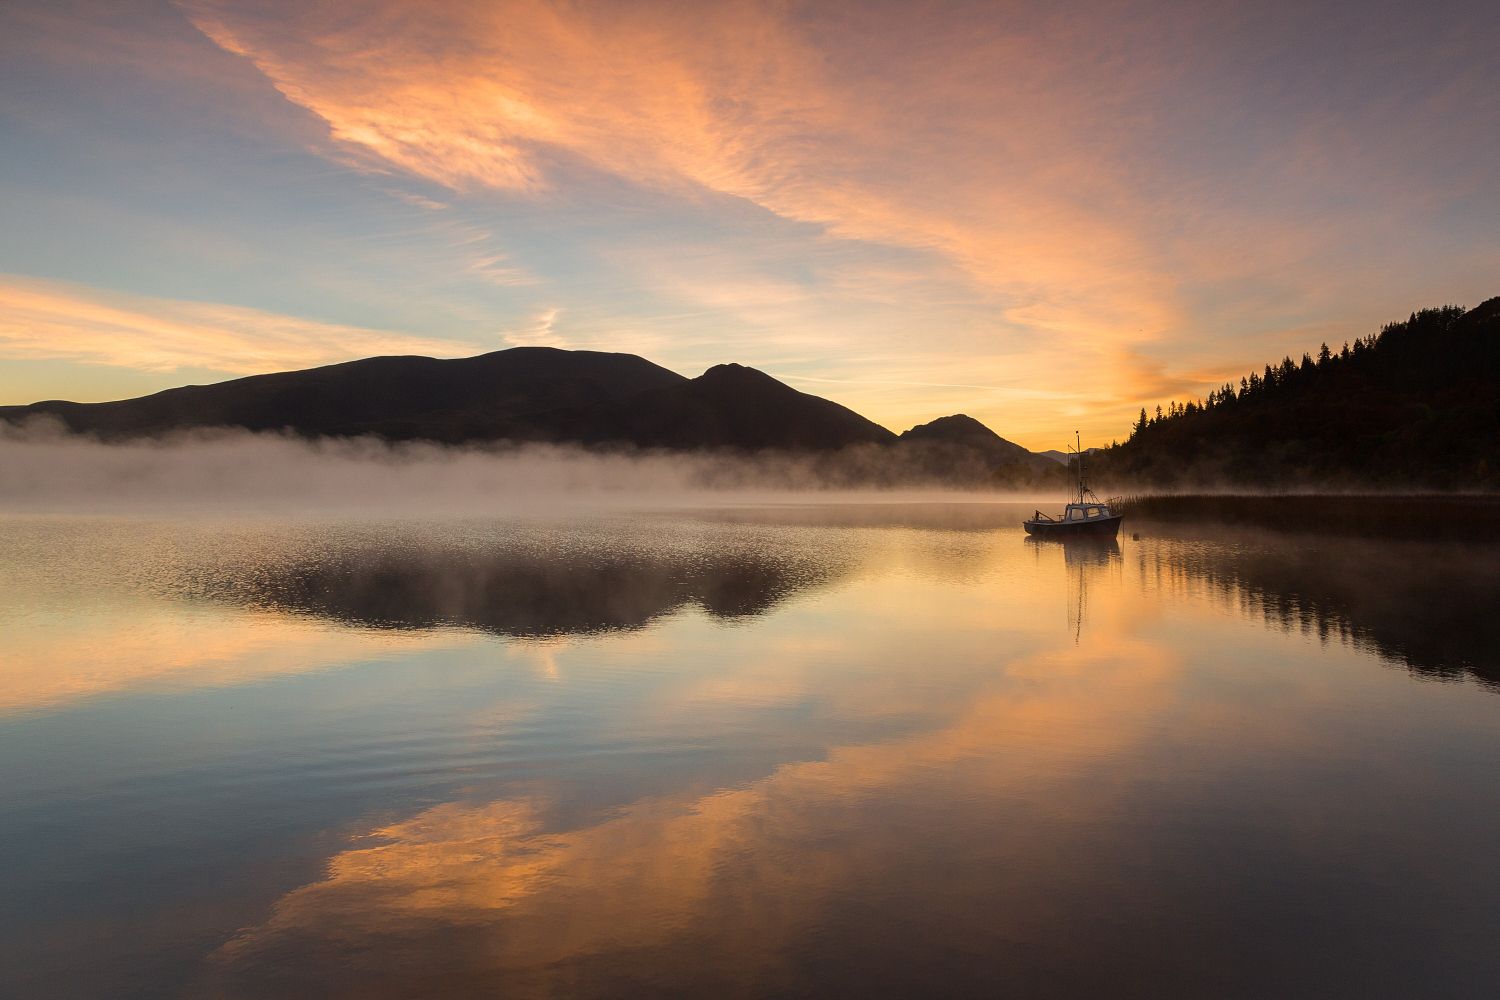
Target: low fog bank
46 469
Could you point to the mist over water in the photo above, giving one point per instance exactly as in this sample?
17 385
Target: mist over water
884 748
44 468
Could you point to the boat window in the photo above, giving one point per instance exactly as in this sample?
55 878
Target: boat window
1074 514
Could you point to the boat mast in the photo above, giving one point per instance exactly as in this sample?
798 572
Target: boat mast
1079 439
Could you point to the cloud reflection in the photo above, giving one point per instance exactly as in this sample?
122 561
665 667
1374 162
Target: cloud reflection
923 772
87 651
729 886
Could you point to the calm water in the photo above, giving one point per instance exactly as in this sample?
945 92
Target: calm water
859 751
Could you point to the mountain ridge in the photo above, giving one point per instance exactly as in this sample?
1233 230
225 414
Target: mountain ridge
398 397
549 395
1416 405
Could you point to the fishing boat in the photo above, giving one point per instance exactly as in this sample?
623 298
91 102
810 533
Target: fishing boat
1086 516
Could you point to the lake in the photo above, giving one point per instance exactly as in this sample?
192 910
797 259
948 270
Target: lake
865 749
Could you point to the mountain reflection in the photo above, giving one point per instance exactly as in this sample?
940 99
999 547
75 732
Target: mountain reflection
1429 607
567 584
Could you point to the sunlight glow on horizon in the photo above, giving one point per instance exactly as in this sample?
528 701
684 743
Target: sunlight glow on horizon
1046 218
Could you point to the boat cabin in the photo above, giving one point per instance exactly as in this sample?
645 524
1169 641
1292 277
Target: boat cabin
1085 511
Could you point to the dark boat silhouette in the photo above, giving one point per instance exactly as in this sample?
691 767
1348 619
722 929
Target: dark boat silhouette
1087 516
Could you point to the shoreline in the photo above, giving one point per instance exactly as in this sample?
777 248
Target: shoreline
1474 516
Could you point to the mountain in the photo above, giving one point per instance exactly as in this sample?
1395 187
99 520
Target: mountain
540 394
507 394
728 406
522 394
1063 457
958 449
1415 406
961 431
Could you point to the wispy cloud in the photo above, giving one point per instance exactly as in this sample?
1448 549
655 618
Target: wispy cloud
738 100
1095 202
52 320
540 333
1015 390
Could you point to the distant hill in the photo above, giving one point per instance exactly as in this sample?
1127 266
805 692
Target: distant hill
958 447
539 394
962 431
1416 405
1063 457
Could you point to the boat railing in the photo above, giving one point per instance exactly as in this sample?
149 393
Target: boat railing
1038 516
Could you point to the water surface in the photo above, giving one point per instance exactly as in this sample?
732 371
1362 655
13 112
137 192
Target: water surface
873 750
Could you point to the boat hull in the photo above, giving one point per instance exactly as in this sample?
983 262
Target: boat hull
1095 527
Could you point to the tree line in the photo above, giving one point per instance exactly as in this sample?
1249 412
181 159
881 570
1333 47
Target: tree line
1412 405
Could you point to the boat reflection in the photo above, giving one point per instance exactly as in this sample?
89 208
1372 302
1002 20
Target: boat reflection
1083 556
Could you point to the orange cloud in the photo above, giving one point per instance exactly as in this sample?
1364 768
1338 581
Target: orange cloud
1099 206
967 145
53 320
1020 162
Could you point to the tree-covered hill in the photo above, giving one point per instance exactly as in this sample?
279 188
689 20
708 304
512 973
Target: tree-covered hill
1416 405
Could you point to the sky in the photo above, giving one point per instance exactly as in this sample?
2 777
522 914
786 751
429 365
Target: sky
1045 215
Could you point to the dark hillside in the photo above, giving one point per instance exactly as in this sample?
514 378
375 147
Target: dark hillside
540 394
1416 405
728 406
962 429
959 446
488 397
